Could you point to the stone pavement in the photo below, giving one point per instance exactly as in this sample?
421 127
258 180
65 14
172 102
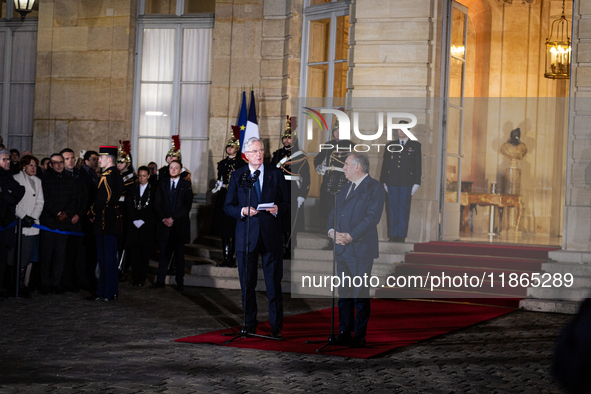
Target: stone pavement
65 344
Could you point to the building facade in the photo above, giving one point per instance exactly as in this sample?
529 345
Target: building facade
80 73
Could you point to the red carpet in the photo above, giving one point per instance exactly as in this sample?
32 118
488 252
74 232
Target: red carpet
392 324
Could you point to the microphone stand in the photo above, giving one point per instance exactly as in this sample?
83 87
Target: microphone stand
247 183
335 184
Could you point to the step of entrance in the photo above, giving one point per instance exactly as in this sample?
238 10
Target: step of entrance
320 242
551 306
562 299
204 252
309 259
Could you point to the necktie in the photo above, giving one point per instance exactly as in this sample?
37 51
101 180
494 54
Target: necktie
257 190
351 189
173 186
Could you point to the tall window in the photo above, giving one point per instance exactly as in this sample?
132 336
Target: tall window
18 54
324 54
173 81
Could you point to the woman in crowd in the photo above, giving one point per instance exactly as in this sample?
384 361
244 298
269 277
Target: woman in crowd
28 210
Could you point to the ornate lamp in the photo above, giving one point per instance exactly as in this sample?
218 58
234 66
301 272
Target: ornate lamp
23 7
558 49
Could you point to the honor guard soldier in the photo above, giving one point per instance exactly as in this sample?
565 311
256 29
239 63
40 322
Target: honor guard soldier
293 162
223 225
401 176
125 168
104 214
174 154
329 162
130 179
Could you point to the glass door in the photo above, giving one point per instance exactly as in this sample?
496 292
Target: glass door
454 119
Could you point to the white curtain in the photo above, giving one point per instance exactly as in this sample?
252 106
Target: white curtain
22 90
156 95
158 55
159 116
194 102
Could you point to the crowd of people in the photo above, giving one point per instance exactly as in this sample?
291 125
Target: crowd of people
87 221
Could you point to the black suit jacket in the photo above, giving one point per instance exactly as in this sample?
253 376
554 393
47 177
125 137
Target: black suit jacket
359 215
403 168
262 224
105 210
145 235
178 210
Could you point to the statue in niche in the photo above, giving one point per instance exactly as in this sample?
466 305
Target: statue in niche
514 149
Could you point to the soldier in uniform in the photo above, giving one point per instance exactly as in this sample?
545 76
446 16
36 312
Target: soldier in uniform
130 180
125 168
174 154
401 176
293 162
329 163
223 225
103 214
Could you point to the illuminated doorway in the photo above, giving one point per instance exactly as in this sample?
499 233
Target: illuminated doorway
495 86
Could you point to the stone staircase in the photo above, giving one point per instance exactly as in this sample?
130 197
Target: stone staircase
562 299
309 258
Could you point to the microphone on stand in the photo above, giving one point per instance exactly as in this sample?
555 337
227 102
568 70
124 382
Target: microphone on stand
255 176
336 182
244 181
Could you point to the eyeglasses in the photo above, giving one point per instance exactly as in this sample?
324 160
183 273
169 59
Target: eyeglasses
256 151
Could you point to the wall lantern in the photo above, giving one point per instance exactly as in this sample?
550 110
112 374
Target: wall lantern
23 7
558 49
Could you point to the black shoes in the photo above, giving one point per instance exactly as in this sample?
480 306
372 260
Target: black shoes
180 288
276 333
358 341
344 338
248 330
397 239
157 285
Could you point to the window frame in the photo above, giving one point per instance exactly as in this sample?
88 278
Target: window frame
194 21
331 11
9 27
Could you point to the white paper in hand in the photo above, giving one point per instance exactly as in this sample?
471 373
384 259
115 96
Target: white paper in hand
264 206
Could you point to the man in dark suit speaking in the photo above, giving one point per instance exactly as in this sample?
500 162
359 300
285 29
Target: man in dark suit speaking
359 209
266 236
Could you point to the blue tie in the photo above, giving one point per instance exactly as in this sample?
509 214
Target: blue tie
257 190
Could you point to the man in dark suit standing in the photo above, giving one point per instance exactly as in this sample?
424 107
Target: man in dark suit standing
174 197
401 176
266 237
359 209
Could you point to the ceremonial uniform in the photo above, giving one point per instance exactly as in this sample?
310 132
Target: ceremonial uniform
331 157
400 172
106 228
295 168
223 225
